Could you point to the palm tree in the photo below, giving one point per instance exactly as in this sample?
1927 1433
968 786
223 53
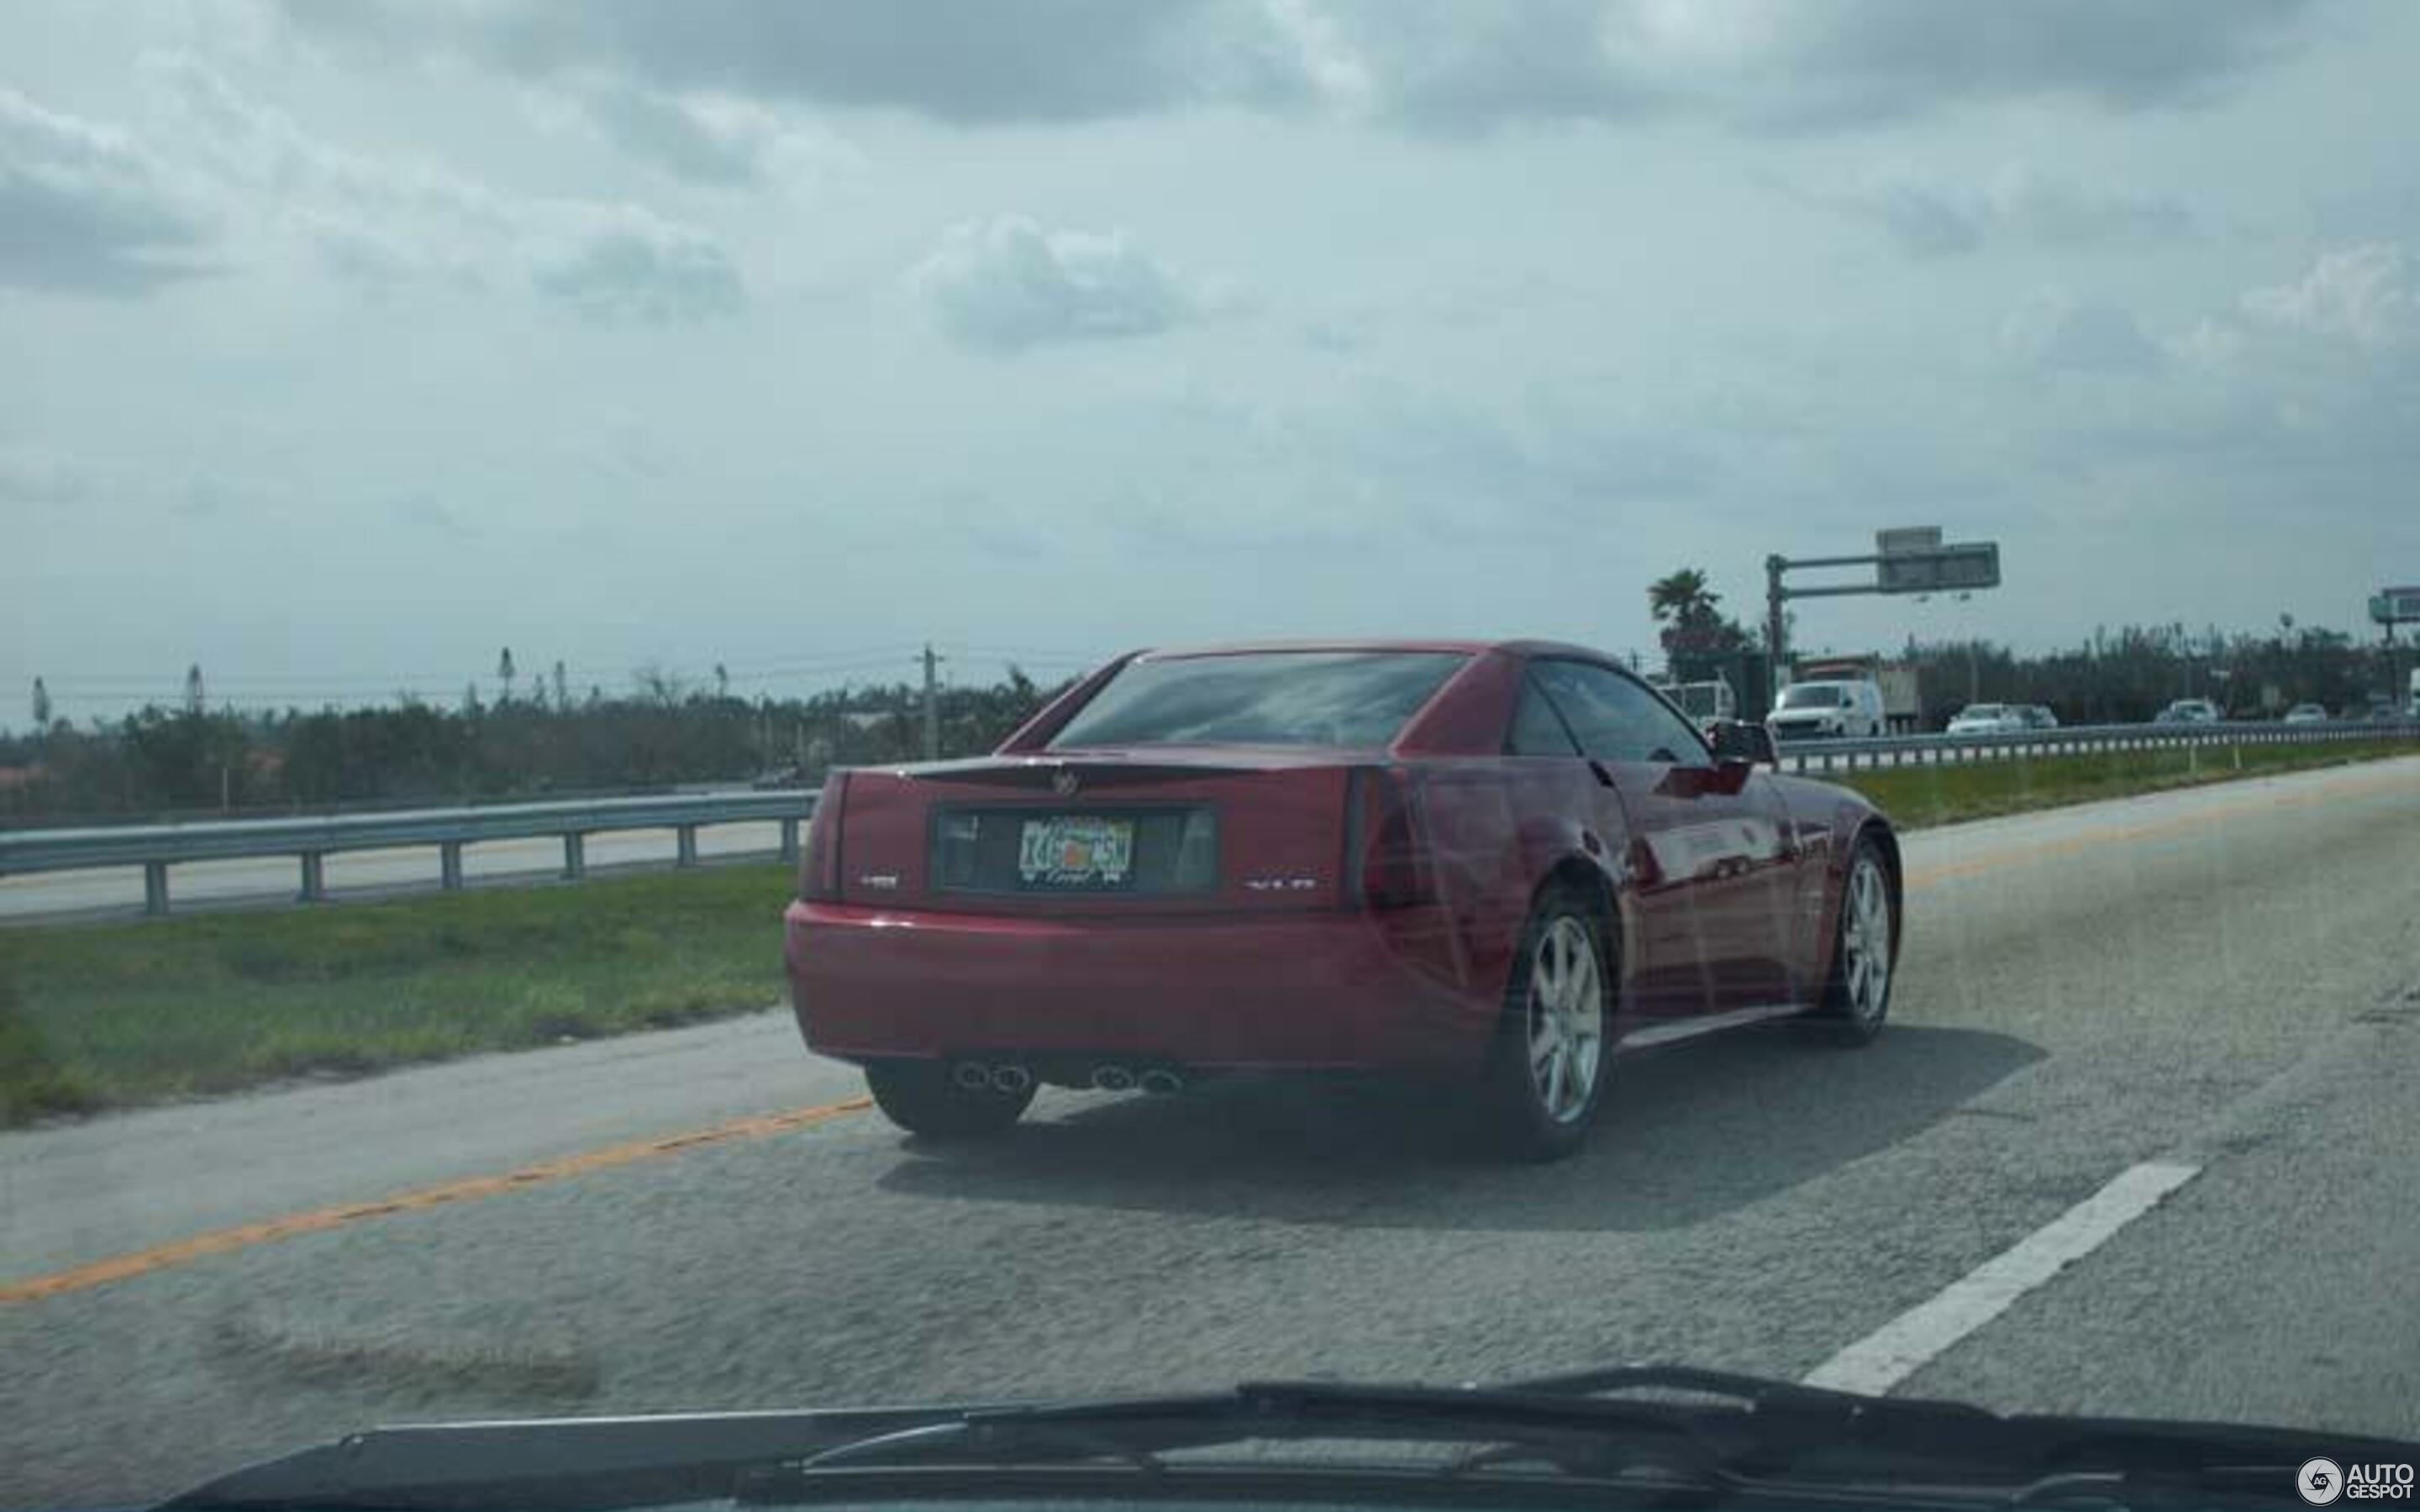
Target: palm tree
1682 598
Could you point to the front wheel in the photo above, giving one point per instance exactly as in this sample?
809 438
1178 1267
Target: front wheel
1549 1073
1858 997
922 1097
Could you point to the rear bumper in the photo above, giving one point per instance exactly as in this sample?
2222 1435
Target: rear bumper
1327 990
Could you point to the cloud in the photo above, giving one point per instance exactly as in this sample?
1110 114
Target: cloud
966 61
1006 284
631 266
83 209
1437 66
31 474
388 224
2018 204
717 140
2360 293
2052 330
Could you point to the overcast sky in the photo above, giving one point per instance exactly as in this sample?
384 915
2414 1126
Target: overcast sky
348 342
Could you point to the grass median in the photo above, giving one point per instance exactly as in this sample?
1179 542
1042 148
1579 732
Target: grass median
1919 796
93 1017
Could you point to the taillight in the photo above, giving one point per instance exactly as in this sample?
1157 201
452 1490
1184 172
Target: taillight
1389 861
819 869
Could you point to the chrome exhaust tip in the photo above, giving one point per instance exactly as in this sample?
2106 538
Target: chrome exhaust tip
1008 1076
1160 1082
972 1076
1112 1079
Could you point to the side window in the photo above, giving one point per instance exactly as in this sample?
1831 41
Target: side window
1615 717
1537 729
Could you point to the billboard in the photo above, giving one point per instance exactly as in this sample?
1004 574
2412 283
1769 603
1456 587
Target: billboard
2396 605
1942 569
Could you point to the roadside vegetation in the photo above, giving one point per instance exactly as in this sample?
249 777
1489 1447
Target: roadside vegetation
1917 796
93 1017
96 1017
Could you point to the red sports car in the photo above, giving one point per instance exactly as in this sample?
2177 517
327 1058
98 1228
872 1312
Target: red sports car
1493 863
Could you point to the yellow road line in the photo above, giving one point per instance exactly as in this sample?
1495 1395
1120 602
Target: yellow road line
470 1189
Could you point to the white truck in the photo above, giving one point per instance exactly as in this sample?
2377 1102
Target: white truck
1902 706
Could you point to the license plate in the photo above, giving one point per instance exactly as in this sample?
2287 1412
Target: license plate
1067 851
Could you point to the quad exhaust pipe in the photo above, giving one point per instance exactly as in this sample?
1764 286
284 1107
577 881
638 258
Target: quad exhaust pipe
992 1076
1159 1080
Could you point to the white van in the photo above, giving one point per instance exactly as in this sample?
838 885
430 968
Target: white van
1842 710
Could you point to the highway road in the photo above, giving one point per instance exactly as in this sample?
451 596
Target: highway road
2141 1139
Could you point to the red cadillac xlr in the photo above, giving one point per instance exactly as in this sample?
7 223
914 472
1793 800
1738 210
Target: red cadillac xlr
1486 864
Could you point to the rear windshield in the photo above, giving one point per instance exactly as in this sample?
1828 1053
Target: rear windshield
1811 696
1282 698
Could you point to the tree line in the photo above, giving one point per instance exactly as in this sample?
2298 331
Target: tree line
193 757
162 760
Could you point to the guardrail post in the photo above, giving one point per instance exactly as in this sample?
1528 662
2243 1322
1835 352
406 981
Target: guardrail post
155 887
315 877
789 840
685 843
449 865
575 856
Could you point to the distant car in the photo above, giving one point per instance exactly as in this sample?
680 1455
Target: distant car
2307 714
2038 716
2189 711
1988 720
779 776
1848 709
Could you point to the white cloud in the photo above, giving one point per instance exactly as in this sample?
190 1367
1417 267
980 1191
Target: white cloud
2361 293
1006 284
2018 204
625 264
388 222
84 208
715 139
2054 330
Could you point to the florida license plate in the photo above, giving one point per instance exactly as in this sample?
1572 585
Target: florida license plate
1067 851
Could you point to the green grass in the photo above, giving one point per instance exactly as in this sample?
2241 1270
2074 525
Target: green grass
1917 796
114 1015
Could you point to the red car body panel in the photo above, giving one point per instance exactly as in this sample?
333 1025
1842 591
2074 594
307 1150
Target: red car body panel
1721 894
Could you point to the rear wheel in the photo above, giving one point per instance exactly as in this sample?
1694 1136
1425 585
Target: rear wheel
1857 998
1549 1073
923 1098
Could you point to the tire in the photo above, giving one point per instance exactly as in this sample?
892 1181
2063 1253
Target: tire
1864 950
1554 1052
919 1097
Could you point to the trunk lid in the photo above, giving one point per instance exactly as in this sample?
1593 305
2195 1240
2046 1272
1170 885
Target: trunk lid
1163 830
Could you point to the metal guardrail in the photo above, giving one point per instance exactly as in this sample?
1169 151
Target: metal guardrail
157 847
1820 756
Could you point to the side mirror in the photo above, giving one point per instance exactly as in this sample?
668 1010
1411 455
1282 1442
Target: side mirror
1743 740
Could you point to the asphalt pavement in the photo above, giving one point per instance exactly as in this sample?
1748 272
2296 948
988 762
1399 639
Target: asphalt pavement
2148 1057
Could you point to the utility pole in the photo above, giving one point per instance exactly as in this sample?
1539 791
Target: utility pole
932 706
